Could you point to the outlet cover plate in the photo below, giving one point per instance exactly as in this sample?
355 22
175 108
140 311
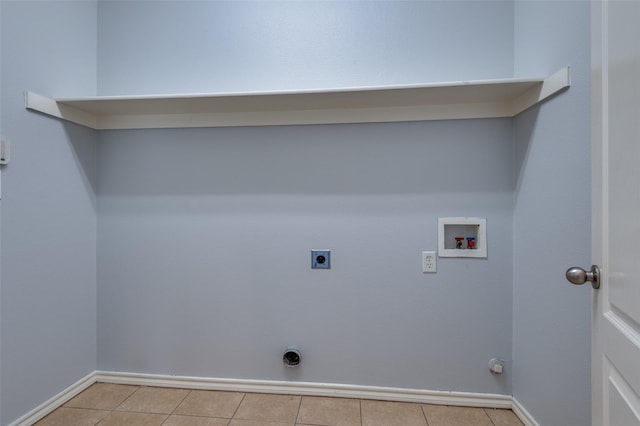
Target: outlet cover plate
321 259
429 262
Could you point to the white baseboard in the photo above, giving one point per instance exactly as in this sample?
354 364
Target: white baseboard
48 406
524 416
466 399
311 389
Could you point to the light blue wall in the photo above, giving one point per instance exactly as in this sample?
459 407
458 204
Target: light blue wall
552 223
48 281
210 46
204 253
204 235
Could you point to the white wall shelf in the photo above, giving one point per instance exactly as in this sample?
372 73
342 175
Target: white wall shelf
439 101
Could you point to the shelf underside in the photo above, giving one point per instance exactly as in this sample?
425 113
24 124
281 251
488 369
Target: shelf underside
457 100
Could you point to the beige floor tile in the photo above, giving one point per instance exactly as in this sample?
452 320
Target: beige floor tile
175 420
154 400
269 408
129 419
103 396
150 406
257 423
329 411
503 417
72 416
385 413
210 404
443 415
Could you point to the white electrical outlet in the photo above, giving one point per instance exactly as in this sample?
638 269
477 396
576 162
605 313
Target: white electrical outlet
428 261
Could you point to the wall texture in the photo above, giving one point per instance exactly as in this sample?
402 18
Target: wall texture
204 253
211 46
552 218
204 236
48 276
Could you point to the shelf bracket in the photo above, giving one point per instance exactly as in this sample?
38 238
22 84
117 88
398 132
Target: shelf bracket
39 103
551 85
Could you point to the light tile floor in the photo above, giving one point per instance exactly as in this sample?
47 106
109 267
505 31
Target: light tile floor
107 404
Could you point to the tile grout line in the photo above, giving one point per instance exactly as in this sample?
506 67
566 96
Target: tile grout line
295 422
126 399
113 409
244 395
487 414
177 405
424 414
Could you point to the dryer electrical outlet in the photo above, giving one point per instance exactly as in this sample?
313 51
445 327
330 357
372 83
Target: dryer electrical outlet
320 259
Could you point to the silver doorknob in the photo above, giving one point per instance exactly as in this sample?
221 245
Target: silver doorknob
579 276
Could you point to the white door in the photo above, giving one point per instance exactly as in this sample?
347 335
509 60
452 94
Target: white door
616 211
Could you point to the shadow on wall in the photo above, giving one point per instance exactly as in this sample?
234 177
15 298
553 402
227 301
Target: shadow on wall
524 132
81 141
523 136
391 158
